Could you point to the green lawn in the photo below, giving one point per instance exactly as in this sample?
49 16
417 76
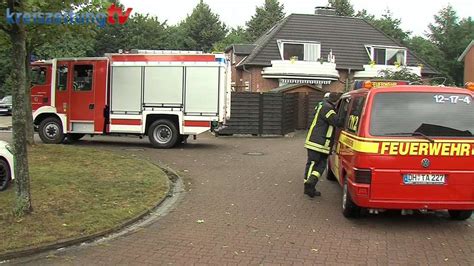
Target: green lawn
77 192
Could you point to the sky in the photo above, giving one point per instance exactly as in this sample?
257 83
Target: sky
415 14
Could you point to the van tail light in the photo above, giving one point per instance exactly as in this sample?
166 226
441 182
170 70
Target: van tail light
363 176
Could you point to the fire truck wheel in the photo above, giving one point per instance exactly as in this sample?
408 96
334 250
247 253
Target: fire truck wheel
460 215
51 131
5 175
329 174
163 134
349 208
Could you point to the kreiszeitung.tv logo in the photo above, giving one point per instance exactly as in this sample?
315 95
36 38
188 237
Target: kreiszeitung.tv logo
114 15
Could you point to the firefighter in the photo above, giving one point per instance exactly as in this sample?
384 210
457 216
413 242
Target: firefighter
319 142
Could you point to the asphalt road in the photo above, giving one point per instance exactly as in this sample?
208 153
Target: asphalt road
247 194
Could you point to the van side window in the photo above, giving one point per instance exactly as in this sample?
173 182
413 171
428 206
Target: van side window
342 111
355 114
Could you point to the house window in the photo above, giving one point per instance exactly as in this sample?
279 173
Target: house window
387 55
293 51
379 56
299 50
396 56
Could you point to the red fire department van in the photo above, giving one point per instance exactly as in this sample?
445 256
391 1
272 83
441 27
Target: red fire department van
166 95
406 148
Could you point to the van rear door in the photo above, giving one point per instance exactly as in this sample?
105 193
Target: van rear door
426 148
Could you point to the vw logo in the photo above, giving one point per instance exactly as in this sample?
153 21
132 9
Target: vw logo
425 163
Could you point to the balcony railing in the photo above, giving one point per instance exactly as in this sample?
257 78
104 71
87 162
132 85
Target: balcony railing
301 69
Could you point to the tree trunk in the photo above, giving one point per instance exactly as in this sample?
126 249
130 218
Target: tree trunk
19 121
30 135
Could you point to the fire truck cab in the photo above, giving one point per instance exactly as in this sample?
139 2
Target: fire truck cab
405 148
165 95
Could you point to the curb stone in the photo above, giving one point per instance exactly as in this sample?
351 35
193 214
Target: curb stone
173 178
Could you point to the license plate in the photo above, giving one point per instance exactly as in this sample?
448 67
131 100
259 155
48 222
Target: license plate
3 110
424 179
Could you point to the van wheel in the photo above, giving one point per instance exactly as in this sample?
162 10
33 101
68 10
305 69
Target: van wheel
329 174
51 131
349 208
460 215
163 134
5 175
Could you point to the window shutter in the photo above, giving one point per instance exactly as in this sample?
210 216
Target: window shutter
311 52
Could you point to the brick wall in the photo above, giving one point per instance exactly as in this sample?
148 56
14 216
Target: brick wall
260 84
236 78
338 86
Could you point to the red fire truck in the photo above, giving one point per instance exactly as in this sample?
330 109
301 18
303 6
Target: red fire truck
165 95
407 148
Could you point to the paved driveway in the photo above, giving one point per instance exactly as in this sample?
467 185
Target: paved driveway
254 212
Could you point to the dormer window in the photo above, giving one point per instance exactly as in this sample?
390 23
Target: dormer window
299 50
387 55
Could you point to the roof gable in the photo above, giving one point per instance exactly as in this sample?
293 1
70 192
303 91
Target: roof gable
241 49
461 57
346 36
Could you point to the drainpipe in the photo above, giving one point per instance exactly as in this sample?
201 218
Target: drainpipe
250 83
348 80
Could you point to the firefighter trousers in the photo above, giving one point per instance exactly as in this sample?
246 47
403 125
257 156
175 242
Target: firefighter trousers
315 167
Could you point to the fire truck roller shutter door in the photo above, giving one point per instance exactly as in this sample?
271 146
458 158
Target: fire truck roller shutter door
126 94
163 86
202 90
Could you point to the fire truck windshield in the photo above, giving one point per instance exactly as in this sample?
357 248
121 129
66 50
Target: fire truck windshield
422 114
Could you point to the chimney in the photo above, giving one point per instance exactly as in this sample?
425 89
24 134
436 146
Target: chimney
325 10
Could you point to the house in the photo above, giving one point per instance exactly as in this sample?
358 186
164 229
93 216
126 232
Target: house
468 57
322 50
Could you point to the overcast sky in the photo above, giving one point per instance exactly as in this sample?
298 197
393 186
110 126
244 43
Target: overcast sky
415 14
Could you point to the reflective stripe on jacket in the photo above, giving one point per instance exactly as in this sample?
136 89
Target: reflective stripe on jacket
321 133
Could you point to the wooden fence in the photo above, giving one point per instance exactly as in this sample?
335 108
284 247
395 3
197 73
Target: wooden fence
261 114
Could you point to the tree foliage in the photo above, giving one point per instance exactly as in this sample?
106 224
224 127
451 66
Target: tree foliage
202 28
426 49
265 17
343 7
451 35
402 74
387 23
140 32
235 36
364 14
391 26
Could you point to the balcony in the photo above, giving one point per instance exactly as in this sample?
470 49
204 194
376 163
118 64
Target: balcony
320 72
372 71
